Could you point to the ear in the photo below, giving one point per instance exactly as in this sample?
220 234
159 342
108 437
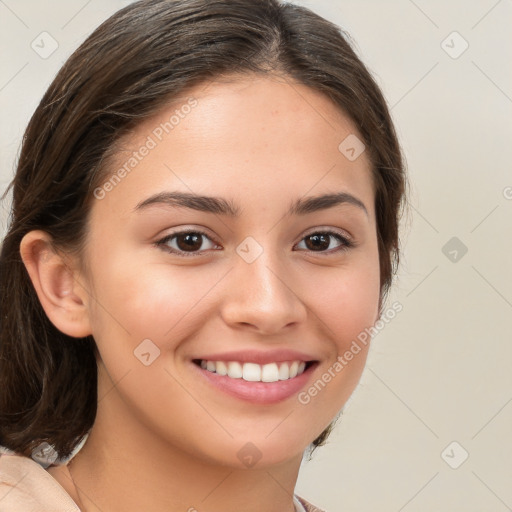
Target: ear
56 283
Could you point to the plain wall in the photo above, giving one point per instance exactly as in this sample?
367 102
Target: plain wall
440 371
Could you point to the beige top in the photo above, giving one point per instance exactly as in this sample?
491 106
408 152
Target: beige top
25 486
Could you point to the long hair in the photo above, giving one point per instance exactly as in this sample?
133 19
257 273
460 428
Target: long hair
128 69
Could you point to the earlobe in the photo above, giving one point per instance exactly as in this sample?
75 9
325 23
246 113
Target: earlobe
62 297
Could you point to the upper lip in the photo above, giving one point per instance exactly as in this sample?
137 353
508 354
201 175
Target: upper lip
259 357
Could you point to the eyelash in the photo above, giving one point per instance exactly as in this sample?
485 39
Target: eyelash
346 244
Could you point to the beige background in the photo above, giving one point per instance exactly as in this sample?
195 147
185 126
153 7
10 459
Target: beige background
441 370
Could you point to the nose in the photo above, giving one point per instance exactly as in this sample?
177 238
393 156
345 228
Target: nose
261 296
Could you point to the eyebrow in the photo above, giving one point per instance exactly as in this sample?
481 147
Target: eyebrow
218 205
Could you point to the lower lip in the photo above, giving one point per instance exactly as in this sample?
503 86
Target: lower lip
258 392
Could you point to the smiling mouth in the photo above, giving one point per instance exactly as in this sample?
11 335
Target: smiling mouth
253 372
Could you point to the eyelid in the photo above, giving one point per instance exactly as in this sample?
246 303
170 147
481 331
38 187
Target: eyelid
189 228
330 230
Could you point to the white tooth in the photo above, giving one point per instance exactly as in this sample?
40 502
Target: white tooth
251 372
235 370
284 371
270 373
221 368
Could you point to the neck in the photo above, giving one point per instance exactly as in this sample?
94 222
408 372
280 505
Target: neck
126 466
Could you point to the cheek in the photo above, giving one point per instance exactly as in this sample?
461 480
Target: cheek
346 300
136 301
346 305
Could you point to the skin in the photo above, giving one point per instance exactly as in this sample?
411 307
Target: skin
164 439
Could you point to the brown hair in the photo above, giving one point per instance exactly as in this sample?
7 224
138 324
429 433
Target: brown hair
127 70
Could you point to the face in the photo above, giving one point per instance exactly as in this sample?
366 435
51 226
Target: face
213 253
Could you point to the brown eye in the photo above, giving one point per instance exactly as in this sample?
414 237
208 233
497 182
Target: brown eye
186 243
322 241
318 242
189 241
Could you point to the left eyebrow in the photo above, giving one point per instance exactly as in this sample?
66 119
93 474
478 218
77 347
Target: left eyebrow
313 204
218 205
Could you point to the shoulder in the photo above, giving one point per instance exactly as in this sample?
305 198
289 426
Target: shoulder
25 486
308 507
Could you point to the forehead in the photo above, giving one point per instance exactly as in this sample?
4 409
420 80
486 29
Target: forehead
241 133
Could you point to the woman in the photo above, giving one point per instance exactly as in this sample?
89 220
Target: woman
205 218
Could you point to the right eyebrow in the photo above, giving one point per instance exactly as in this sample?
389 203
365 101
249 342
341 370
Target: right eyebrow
207 204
